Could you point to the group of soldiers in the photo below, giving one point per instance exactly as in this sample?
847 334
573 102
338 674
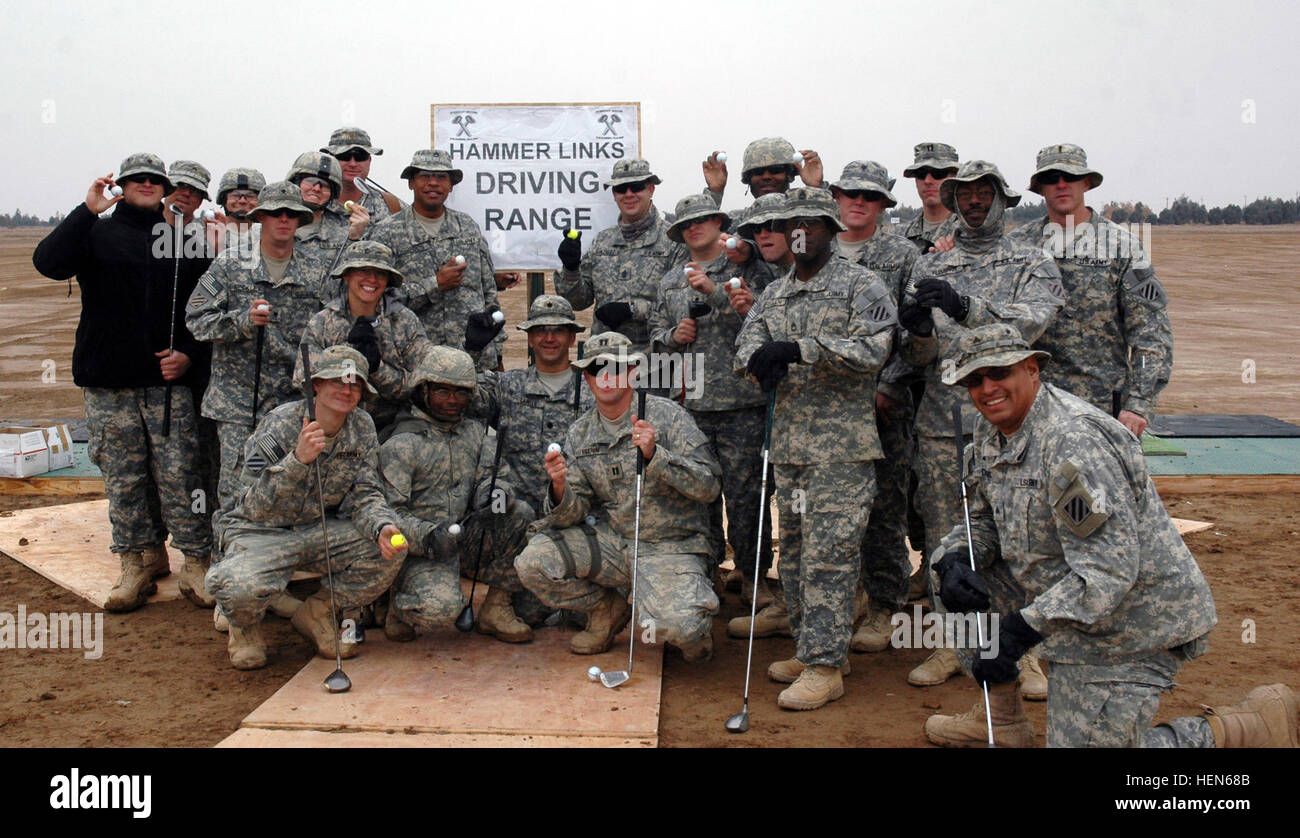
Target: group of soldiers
800 331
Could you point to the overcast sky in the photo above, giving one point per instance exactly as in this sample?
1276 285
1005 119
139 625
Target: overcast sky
1167 97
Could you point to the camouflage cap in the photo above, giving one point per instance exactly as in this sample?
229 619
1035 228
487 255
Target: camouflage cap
368 254
1063 157
806 200
769 207
550 310
283 195
432 160
931 156
608 347
768 151
316 164
144 163
342 361
867 175
633 170
445 365
692 208
233 179
344 139
193 175
971 171
992 345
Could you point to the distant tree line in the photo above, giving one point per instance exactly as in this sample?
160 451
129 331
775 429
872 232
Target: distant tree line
1182 211
18 219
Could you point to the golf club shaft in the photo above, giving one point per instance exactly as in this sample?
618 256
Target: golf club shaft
758 538
257 370
970 549
320 495
171 339
492 489
636 529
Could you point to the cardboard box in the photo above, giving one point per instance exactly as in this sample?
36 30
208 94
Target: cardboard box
58 438
23 452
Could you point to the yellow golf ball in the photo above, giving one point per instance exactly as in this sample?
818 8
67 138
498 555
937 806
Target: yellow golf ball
348 205
398 541
573 234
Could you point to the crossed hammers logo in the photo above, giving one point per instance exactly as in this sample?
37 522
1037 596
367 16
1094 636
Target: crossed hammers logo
609 119
463 121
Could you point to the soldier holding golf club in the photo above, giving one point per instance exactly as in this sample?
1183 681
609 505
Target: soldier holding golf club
275 527
354 151
932 163
581 557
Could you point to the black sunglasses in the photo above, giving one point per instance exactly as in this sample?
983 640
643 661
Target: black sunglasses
611 368
283 212
635 188
854 194
770 170
937 174
355 154
152 180
1054 177
975 379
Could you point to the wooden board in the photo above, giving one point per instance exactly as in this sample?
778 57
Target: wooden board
253 737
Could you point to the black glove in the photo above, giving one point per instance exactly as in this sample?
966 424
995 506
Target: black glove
1015 637
570 251
697 309
771 362
960 588
916 320
362 337
483 500
937 293
480 328
439 543
614 315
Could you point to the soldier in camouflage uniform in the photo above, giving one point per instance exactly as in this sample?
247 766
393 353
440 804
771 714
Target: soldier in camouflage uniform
697 317
237 194
352 148
437 470
426 238
581 557
275 526
320 179
932 163
986 278
863 194
834 321
365 313
1112 345
191 181
1075 550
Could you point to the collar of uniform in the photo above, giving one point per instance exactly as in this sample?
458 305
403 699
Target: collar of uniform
533 385
716 266
141 219
818 282
1013 449
624 429
644 228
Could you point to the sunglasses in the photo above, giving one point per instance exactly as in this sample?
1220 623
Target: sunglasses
355 154
314 183
551 330
975 379
765 227
694 221
937 174
283 212
806 222
152 180
770 170
611 368
1052 178
634 188
241 195
458 393
865 194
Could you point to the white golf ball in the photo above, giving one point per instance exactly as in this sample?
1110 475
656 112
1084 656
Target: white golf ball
454 529
116 191
797 158
263 307
594 673
498 317
460 260
722 157
687 270
209 214
553 448
732 244
733 283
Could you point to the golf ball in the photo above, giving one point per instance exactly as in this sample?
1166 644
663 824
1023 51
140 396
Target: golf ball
460 260
398 541
209 214
721 157
594 673
553 448
263 307
797 158
116 191
348 205
732 244
733 283
498 317
454 529
573 234
687 270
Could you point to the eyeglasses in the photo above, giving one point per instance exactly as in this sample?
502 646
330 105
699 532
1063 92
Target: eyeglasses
975 379
694 221
443 391
314 183
351 155
635 188
241 195
152 180
806 222
550 330
982 193
865 194
770 170
1054 177
937 174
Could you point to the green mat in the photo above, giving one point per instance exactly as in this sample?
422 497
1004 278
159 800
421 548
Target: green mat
1154 446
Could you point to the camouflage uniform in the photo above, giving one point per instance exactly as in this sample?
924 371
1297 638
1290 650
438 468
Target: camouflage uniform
346 139
274 527
323 243
1113 336
419 256
930 156
674 591
823 432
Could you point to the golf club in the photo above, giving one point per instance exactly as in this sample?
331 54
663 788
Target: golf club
622 676
739 723
970 547
257 367
465 621
338 681
171 341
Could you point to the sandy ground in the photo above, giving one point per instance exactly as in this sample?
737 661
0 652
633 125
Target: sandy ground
164 679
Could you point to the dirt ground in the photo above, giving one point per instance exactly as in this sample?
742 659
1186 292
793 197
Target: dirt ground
164 679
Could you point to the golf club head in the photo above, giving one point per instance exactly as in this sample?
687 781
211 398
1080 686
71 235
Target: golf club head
738 723
175 210
338 682
615 679
465 622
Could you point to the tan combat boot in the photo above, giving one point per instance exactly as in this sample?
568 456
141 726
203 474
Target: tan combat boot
220 621
918 586
604 622
498 619
1265 718
774 620
788 671
1033 683
749 590
284 604
191 583
315 622
246 647
814 687
697 651
133 587
934 670
157 561
874 632
1011 727
395 629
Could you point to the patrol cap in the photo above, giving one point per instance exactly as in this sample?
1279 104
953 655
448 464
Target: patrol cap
369 254
993 345
550 310
144 163
609 347
931 156
233 179
807 200
767 151
283 195
432 160
694 207
1063 157
634 170
194 175
445 365
769 207
316 164
971 171
342 361
867 175
346 139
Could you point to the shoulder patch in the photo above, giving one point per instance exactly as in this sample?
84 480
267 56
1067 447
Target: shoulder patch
266 452
207 283
1143 283
1074 504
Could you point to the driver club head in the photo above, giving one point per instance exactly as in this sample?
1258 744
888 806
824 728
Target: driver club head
465 622
338 682
738 723
615 679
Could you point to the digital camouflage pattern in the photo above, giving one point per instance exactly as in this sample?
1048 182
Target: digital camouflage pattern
764 152
931 156
632 170
192 174
316 164
350 137
144 163
322 246
915 231
867 175
1063 157
239 178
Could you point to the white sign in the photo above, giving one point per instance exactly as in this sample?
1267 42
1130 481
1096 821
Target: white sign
533 171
